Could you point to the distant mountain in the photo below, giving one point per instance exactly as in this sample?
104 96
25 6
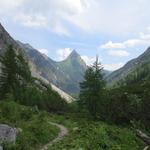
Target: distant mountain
27 50
66 74
130 67
74 68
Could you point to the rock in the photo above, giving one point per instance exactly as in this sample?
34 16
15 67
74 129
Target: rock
7 134
1 148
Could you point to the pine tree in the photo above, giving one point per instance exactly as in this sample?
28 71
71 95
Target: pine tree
8 78
23 69
23 76
91 88
15 74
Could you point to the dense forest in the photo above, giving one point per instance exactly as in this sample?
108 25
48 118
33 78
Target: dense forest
127 103
17 82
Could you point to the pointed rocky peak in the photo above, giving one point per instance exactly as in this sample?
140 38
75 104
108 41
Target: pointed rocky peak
74 54
75 59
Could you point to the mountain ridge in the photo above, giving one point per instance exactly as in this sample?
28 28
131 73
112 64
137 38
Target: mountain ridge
63 74
6 39
130 66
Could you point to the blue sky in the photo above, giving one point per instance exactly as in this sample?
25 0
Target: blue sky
115 30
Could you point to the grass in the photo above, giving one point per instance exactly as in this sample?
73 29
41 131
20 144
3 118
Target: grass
33 125
90 135
83 134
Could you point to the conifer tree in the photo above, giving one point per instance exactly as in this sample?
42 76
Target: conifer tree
23 69
91 88
15 73
8 77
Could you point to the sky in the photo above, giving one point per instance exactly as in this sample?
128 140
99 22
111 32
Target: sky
115 30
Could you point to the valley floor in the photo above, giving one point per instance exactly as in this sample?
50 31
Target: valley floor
83 134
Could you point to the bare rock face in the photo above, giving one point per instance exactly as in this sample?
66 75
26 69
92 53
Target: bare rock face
7 134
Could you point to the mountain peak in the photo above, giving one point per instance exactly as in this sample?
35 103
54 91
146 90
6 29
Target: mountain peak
74 54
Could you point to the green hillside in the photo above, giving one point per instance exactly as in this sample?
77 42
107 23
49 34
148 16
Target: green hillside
131 66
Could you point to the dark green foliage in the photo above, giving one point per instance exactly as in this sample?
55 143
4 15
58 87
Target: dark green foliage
23 69
95 135
142 73
46 98
129 100
91 88
15 73
16 79
127 104
8 76
135 91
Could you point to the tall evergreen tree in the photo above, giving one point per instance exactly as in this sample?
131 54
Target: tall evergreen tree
91 88
23 69
8 76
15 73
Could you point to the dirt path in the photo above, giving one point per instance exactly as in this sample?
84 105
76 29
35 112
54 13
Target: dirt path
62 133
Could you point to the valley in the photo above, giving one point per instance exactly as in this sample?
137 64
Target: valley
68 105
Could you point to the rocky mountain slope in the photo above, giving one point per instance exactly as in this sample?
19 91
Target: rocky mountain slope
131 66
66 74
6 39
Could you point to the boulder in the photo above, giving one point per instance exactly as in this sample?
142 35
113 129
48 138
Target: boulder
7 134
1 148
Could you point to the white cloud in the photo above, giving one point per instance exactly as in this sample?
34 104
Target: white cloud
9 6
142 39
43 51
111 45
89 15
119 53
126 44
113 67
63 53
148 28
60 29
32 21
134 42
88 60
145 36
